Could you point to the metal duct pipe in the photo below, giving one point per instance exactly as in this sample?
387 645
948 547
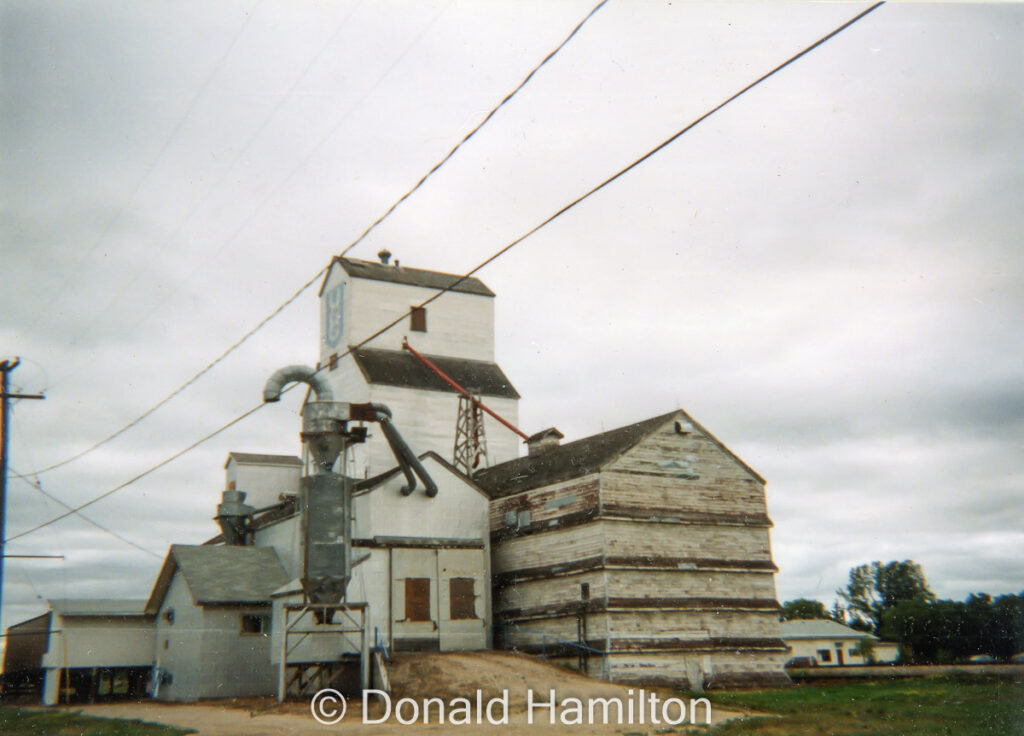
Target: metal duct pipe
300 373
405 456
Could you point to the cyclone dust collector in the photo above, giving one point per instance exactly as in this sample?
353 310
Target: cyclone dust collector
326 496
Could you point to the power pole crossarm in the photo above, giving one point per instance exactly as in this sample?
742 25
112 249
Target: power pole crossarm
6 366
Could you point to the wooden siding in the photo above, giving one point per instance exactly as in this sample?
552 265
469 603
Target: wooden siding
677 555
554 591
558 501
640 583
637 538
549 547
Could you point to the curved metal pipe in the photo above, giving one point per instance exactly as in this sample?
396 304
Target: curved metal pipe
298 373
405 456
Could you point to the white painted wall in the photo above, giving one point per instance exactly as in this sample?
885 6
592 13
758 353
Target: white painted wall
813 647
100 641
179 645
458 511
206 652
262 483
235 664
458 324
286 539
426 419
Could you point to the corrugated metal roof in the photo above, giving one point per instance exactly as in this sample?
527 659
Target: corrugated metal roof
820 628
251 458
98 606
567 461
410 276
399 368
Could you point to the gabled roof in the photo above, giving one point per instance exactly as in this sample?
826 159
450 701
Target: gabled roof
98 606
820 628
400 368
369 484
251 458
222 574
581 457
564 462
409 276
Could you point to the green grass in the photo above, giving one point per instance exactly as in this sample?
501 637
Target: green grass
21 722
957 706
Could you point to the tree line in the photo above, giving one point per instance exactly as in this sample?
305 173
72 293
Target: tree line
892 600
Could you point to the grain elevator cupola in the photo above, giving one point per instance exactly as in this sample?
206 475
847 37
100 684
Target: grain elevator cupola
455 332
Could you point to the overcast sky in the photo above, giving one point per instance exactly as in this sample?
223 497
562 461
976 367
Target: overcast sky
827 274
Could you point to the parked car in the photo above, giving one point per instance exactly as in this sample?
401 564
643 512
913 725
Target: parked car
1017 658
802 662
982 659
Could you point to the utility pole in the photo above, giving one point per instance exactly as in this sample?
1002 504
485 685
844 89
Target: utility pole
6 367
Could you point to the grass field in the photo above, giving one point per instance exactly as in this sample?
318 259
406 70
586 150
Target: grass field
957 706
20 722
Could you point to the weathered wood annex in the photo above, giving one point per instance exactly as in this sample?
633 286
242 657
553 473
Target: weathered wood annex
648 543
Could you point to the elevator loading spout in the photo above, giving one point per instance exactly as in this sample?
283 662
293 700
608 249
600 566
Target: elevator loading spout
326 498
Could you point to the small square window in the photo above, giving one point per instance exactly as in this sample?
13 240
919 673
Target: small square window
253 623
418 319
825 655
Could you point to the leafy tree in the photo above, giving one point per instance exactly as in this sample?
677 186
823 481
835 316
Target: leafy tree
866 649
944 631
802 609
875 588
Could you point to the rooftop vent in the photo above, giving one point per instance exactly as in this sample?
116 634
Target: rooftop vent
543 441
384 256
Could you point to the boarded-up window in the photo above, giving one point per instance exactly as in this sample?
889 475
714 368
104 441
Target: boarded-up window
417 599
418 319
463 601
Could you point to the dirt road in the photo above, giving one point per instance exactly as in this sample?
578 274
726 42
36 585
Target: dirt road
220 720
421 676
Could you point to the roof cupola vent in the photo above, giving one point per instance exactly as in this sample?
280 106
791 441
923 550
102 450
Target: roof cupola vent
543 441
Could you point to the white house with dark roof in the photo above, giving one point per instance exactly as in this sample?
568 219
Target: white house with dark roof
456 332
212 609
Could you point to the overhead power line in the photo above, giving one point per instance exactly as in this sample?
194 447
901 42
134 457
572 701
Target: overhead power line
318 274
471 133
159 155
240 152
490 259
39 487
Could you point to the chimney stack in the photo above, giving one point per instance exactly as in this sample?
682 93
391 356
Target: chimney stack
384 256
543 441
